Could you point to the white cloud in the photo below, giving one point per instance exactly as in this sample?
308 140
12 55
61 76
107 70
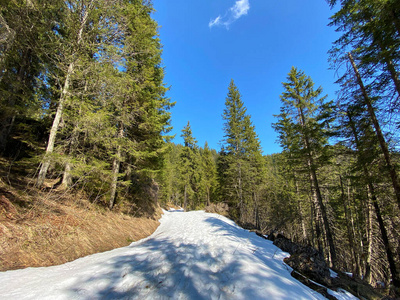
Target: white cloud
214 22
240 8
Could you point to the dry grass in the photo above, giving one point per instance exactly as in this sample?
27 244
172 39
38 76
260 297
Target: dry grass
170 205
218 208
44 228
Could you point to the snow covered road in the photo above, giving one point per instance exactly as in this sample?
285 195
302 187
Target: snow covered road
192 255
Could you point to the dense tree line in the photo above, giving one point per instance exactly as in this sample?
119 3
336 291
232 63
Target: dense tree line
82 95
194 177
84 80
329 187
335 185
190 174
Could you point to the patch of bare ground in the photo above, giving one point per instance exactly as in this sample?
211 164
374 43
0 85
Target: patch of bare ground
218 208
50 227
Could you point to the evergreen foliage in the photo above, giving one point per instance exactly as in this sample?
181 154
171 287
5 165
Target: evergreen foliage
368 114
190 176
306 115
83 98
241 164
94 81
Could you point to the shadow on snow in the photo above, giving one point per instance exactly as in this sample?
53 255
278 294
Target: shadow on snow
162 268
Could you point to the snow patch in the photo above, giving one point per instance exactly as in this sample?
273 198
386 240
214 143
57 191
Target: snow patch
191 255
175 209
342 294
333 274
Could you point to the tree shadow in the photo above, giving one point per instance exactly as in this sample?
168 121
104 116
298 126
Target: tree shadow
159 269
163 268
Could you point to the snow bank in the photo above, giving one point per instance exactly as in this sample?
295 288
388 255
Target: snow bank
192 255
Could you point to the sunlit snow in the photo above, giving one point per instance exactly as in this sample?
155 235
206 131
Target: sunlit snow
192 255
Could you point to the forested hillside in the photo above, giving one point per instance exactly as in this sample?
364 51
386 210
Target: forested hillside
83 93
84 109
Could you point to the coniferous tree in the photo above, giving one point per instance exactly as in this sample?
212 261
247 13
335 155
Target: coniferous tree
305 115
370 44
371 29
73 43
209 176
170 177
189 166
26 53
370 93
143 109
364 154
241 159
99 78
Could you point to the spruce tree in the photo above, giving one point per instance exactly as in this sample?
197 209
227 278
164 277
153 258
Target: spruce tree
141 108
303 130
241 159
209 175
371 30
27 53
188 167
364 152
170 176
72 43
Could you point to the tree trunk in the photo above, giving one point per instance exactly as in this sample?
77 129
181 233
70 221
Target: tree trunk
317 193
389 65
67 177
241 204
350 234
381 138
185 198
54 128
385 238
368 274
60 108
7 38
393 74
115 170
325 222
114 181
357 252
255 201
303 225
315 217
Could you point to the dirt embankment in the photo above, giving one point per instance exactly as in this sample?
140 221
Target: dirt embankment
51 227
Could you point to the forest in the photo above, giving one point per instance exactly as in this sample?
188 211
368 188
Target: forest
83 108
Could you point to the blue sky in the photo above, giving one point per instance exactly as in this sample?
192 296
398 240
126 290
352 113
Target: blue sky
254 42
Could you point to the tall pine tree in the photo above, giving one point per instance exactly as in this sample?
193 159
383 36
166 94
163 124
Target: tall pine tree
241 159
303 128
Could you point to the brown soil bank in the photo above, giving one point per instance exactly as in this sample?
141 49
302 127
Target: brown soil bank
50 228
